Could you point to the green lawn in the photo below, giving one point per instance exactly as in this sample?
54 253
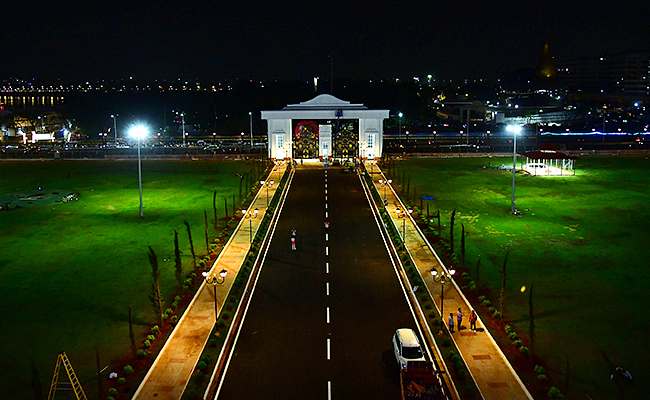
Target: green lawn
582 240
68 272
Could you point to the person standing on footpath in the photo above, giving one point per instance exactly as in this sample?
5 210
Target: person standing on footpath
472 320
293 239
459 317
451 322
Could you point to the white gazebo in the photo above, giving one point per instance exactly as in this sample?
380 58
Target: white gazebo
325 128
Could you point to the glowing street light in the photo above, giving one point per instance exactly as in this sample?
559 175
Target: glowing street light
385 183
114 116
442 278
402 214
249 215
515 129
139 132
267 185
400 115
214 280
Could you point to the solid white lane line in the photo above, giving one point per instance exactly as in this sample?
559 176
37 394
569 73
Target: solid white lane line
327 250
328 348
327 237
329 390
328 315
327 268
328 293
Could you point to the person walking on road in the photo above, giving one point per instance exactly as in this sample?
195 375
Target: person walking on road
451 322
472 320
459 317
293 243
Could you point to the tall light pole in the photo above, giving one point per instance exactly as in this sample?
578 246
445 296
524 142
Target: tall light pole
402 214
114 116
515 129
250 117
249 215
442 278
385 183
214 280
267 184
400 125
183 124
139 132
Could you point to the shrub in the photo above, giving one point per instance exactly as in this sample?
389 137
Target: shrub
517 343
497 314
110 398
539 369
466 276
121 381
458 366
427 305
446 342
472 286
542 378
155 330
199 377
175 305
508 329
205 358
202 264
513 335
455 358
436 321
142 353
151 338
432 314
192 393
173 319
112 391
212 342
202 366
486 303
524 350
554 393
482 298
188 282
225 315
492 309
128 369
193 276
147 343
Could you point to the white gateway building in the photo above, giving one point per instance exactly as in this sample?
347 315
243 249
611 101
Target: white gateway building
325 128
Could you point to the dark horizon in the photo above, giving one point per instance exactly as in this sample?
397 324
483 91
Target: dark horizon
292 40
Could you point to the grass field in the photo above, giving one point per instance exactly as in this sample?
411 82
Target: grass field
69 271
582 240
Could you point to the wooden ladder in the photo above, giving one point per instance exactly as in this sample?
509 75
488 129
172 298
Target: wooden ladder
74 382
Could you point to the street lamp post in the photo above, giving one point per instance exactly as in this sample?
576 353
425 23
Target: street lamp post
515 129
267 185
442 278
249 215
250 115
183 123
400 125
385 183
114 116
214 280
402 214
139 132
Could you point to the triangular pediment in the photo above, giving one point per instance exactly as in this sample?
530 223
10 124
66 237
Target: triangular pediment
325 102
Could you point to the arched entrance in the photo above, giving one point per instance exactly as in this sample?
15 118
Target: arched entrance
305 142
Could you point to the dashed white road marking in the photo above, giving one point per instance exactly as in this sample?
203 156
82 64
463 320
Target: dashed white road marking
329 390
327 268
328 315
328 293
327 250
328 348
327 237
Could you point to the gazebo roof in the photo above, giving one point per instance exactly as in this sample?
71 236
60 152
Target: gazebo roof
548 155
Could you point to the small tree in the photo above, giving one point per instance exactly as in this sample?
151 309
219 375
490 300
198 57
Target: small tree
462 243
451 231
134 348
189 236
207 233
478 265
156 297
178 265
214 209
503 284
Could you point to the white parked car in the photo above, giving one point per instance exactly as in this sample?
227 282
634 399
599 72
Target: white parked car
407 347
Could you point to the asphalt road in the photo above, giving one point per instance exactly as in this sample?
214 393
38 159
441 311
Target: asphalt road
322 317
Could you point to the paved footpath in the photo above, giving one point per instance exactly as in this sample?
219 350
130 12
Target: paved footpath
173 368
493 374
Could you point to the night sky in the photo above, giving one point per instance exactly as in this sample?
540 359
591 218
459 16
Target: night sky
209 40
